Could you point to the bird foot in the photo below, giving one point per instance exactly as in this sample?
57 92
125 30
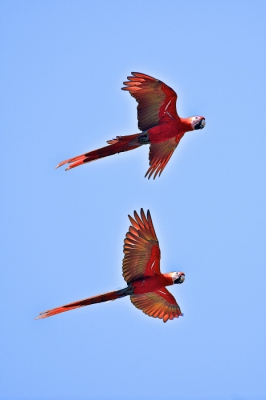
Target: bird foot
144 138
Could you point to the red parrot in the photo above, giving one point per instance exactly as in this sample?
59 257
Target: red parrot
160 125
146 285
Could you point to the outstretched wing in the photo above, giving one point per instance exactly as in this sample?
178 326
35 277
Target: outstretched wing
141 248
156 100
160 154
157 304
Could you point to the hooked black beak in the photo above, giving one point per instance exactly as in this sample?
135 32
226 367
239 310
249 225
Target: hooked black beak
180 279
200 124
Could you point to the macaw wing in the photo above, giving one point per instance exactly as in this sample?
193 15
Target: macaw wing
160 154
158 304
156 100
141 248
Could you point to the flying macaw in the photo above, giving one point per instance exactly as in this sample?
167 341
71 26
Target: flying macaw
160 125
146 285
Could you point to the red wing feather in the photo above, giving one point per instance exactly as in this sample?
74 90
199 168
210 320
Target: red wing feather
156 100
158 304
141 249
160 154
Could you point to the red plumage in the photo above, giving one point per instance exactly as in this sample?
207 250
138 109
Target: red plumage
141 270
158 121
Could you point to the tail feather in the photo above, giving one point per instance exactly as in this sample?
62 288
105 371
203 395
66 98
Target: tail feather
116 294
118 145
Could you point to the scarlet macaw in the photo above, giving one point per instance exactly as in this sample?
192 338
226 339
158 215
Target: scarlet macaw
160 125
141 270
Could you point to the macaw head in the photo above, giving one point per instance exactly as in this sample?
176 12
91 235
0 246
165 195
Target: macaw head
197 122
178 277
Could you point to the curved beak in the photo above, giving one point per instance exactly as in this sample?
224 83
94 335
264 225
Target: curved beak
180 279
200 124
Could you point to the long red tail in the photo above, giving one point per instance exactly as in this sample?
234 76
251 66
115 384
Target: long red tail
100 298
118 145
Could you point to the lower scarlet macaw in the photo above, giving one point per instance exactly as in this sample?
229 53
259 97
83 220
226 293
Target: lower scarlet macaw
146 285
160 125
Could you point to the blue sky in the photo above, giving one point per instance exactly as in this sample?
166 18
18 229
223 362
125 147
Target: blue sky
63 64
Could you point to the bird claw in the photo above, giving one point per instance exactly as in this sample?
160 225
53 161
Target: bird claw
144 138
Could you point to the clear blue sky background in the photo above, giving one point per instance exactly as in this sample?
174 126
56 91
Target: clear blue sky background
63 64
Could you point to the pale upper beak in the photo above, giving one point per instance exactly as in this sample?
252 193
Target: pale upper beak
180 279
200 124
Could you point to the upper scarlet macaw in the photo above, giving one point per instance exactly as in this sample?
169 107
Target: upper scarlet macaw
141 270
160 125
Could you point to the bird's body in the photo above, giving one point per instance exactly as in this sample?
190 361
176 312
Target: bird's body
146 285
160 125
174 129
150 284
